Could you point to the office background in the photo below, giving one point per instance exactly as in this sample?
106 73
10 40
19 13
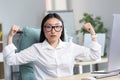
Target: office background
31 12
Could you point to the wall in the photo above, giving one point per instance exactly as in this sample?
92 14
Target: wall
56 4
60 5
103 8
22 13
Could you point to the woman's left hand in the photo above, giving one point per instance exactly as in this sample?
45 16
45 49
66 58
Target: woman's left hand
88 27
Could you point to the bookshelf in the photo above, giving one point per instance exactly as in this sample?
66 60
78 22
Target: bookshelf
2 75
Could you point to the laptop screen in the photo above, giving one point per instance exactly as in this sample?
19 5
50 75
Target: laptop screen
114 54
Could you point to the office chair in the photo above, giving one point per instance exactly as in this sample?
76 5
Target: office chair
22 40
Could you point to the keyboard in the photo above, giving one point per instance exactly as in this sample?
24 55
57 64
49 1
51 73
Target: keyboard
98 76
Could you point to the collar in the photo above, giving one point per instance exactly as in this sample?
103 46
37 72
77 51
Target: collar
46 45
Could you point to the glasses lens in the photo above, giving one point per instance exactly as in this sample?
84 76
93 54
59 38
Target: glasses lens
48 28
57 28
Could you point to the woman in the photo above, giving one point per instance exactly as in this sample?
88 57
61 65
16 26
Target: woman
52 57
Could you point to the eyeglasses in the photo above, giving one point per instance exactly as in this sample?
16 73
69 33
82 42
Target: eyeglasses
49 28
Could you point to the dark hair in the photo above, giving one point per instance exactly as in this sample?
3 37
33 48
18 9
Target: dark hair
50 15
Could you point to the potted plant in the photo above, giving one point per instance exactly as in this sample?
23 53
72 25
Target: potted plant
98 25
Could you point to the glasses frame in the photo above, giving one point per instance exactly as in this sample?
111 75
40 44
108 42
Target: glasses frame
53 27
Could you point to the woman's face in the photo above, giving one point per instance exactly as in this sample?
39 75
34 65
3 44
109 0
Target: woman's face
53 29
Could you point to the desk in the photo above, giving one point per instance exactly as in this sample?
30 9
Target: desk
81 64
79 76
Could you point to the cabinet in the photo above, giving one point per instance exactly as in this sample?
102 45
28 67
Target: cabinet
2 75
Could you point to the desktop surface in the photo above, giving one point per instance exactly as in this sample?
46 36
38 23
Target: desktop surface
85 75
82 63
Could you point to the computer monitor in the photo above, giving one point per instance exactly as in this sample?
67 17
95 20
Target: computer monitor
114 50
113 64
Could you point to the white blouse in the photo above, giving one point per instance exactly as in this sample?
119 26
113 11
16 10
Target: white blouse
52 62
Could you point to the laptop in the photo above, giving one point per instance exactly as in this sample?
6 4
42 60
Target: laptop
113 64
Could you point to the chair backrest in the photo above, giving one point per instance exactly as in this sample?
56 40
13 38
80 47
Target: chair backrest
29 36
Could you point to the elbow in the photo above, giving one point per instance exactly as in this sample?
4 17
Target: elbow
10 61
96 56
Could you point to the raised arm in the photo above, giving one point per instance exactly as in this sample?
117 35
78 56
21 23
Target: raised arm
91 53
22 57
88 27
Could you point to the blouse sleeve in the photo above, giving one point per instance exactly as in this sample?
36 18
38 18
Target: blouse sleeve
84 53
25 56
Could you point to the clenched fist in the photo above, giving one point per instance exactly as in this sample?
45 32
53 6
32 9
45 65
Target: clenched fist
13 31
88 27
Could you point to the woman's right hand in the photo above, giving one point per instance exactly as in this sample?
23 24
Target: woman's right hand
13 31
